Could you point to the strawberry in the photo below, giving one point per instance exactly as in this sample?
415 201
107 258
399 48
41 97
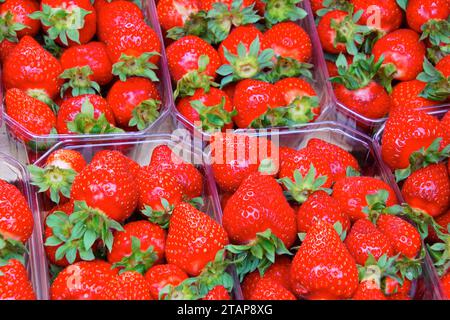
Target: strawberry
428 189
187 175
364 239
16 22
405 133
35 116
256 206
211 111
160 276
58 173
133 286
321 206
339 159
85 68
6 47
173 13
30 68
351 194
443 66
424 14
267 289
385 16
252 99
218 293
406 94
446 125
68 22
443 221
368 290
84 114
437 80
403 49
394 290
183 247
207 5
14 283
134 102
323 265
445 284
93 280
139 246
105 155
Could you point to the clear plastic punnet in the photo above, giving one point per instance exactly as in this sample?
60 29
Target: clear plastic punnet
14 173
32 146
367 152
141 150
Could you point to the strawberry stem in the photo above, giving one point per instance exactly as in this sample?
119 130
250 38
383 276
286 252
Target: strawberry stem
277 11
79 81
131 66
145 114
213 118
139 260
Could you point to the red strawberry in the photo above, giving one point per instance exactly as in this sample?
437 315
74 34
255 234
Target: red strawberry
443 220
385 15
364 239
426 12
289 40
94 280
445 283
406 94
323 265
88 113
406 132
16 12
444 66
14 284
338 158
6 47
133 286
395 291
218 293
34 115
68 22
193 239
321 206
173 13
134 102
446 125
428 189
368 290
106 155
139 246
162 275
258 205
351 194
252 98
30 68
203 105
404 50
270 290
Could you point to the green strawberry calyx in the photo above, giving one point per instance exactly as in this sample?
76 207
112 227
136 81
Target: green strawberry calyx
247 64
131 66
288 68
196 25
377 270
54 179
9 28
138 260
11 249
78 80
330 5
440 253
436 31
75 234
160 217
64 24
145 113
42 96
213 118
277 11
438 86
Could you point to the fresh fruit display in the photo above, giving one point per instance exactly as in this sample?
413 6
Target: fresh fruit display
238 65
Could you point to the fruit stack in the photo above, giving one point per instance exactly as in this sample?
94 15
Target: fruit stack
385 54
243 64
79 70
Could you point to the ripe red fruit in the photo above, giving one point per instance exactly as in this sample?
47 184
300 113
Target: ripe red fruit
218 293
294 88
105 155
193 239
14 284
133 286
267 289
175 13
419 12
406 95
385 15
443 221
19 11
369 290
162 275
445 283
404 50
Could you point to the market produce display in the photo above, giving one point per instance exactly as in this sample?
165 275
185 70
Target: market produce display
321 172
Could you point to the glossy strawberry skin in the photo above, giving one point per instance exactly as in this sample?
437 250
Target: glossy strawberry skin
175 13
29 66
252 98
133 286
162 275
183 55
444 66
419 12
322 265
351 194
390 14
368 290
271 290
364 239
15 284
21 9
406 95
402 48
218 293
445 283
6 47
327 34
187 175
93 280
258 205
92 54
105 155
66 159
428 189
124 96
289 40
193 239
293 88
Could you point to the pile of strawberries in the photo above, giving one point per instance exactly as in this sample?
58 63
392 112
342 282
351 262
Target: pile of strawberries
16 227
383 55
416 146
78 68
239 64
